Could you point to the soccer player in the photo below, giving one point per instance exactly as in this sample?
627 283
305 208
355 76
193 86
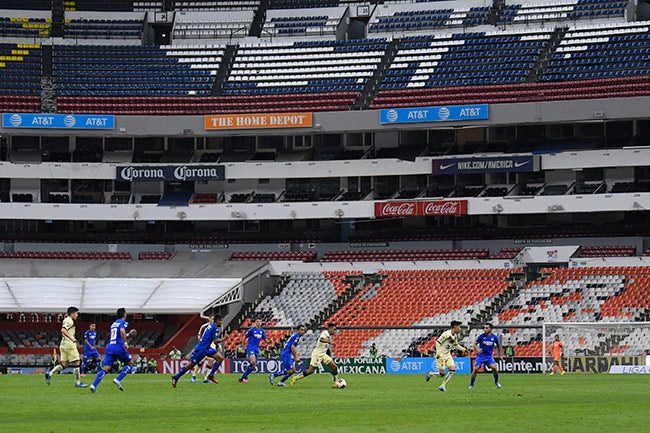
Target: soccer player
447 341
556 350
319 356
116 350
485 345
254 335
289 357
197 367
69 351
90 348
203 349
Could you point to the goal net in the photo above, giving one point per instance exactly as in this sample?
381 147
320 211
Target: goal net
597 339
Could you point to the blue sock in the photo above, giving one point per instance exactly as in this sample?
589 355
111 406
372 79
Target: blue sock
126 370
180 373
286 376
83 367
99 377
214 369
496 378
247 372
471 382
280 373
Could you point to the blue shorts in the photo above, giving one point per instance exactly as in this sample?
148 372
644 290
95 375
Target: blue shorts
287 362
252 352
198 355
91 354
116 353
484 360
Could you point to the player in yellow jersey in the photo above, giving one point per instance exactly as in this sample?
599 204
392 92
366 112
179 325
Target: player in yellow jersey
69 351
556 350
319 356
447 341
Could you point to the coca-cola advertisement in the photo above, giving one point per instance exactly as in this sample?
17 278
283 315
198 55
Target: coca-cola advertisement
420 208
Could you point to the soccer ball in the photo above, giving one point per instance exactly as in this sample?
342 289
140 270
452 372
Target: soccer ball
341 383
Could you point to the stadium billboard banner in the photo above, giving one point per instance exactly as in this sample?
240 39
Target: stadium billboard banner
257 121
600 364
359 365
57 121
433 114
152 173
173 366
496 164
423 365
420 208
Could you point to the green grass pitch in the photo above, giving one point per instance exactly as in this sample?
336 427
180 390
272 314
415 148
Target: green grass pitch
382 403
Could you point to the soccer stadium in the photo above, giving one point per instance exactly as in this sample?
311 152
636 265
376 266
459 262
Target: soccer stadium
472 161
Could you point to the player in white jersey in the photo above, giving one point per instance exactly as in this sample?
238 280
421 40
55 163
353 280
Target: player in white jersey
447 342
69 352
320 356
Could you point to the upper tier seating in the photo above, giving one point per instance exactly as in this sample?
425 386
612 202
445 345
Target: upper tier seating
464 59
103 29
134 71
615 51
304 67
21 75
608 251
404 255
302 256
64 255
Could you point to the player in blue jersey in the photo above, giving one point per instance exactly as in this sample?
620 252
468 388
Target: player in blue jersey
485 345
90 348
211 335
116 350
289 357
254 335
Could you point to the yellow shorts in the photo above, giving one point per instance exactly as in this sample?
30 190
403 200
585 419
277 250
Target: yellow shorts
445 361
69 353
320 359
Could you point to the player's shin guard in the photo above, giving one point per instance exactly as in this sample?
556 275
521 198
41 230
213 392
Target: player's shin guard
100 376
126 370
285 377
448 377
57 369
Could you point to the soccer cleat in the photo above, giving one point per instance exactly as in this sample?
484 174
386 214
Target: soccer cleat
281 384
334 385
174 381
193 379
293 381
240 380
118 384
93 389
471 387
429 376
80 385
551 373
442 388
498 385
210 379
83 375
271 378
563 373
47 378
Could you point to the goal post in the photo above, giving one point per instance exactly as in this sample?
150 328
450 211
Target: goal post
597 339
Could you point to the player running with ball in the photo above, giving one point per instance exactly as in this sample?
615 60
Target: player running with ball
447 341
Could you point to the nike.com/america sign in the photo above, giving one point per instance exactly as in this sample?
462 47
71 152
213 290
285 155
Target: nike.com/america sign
486 164
152 173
